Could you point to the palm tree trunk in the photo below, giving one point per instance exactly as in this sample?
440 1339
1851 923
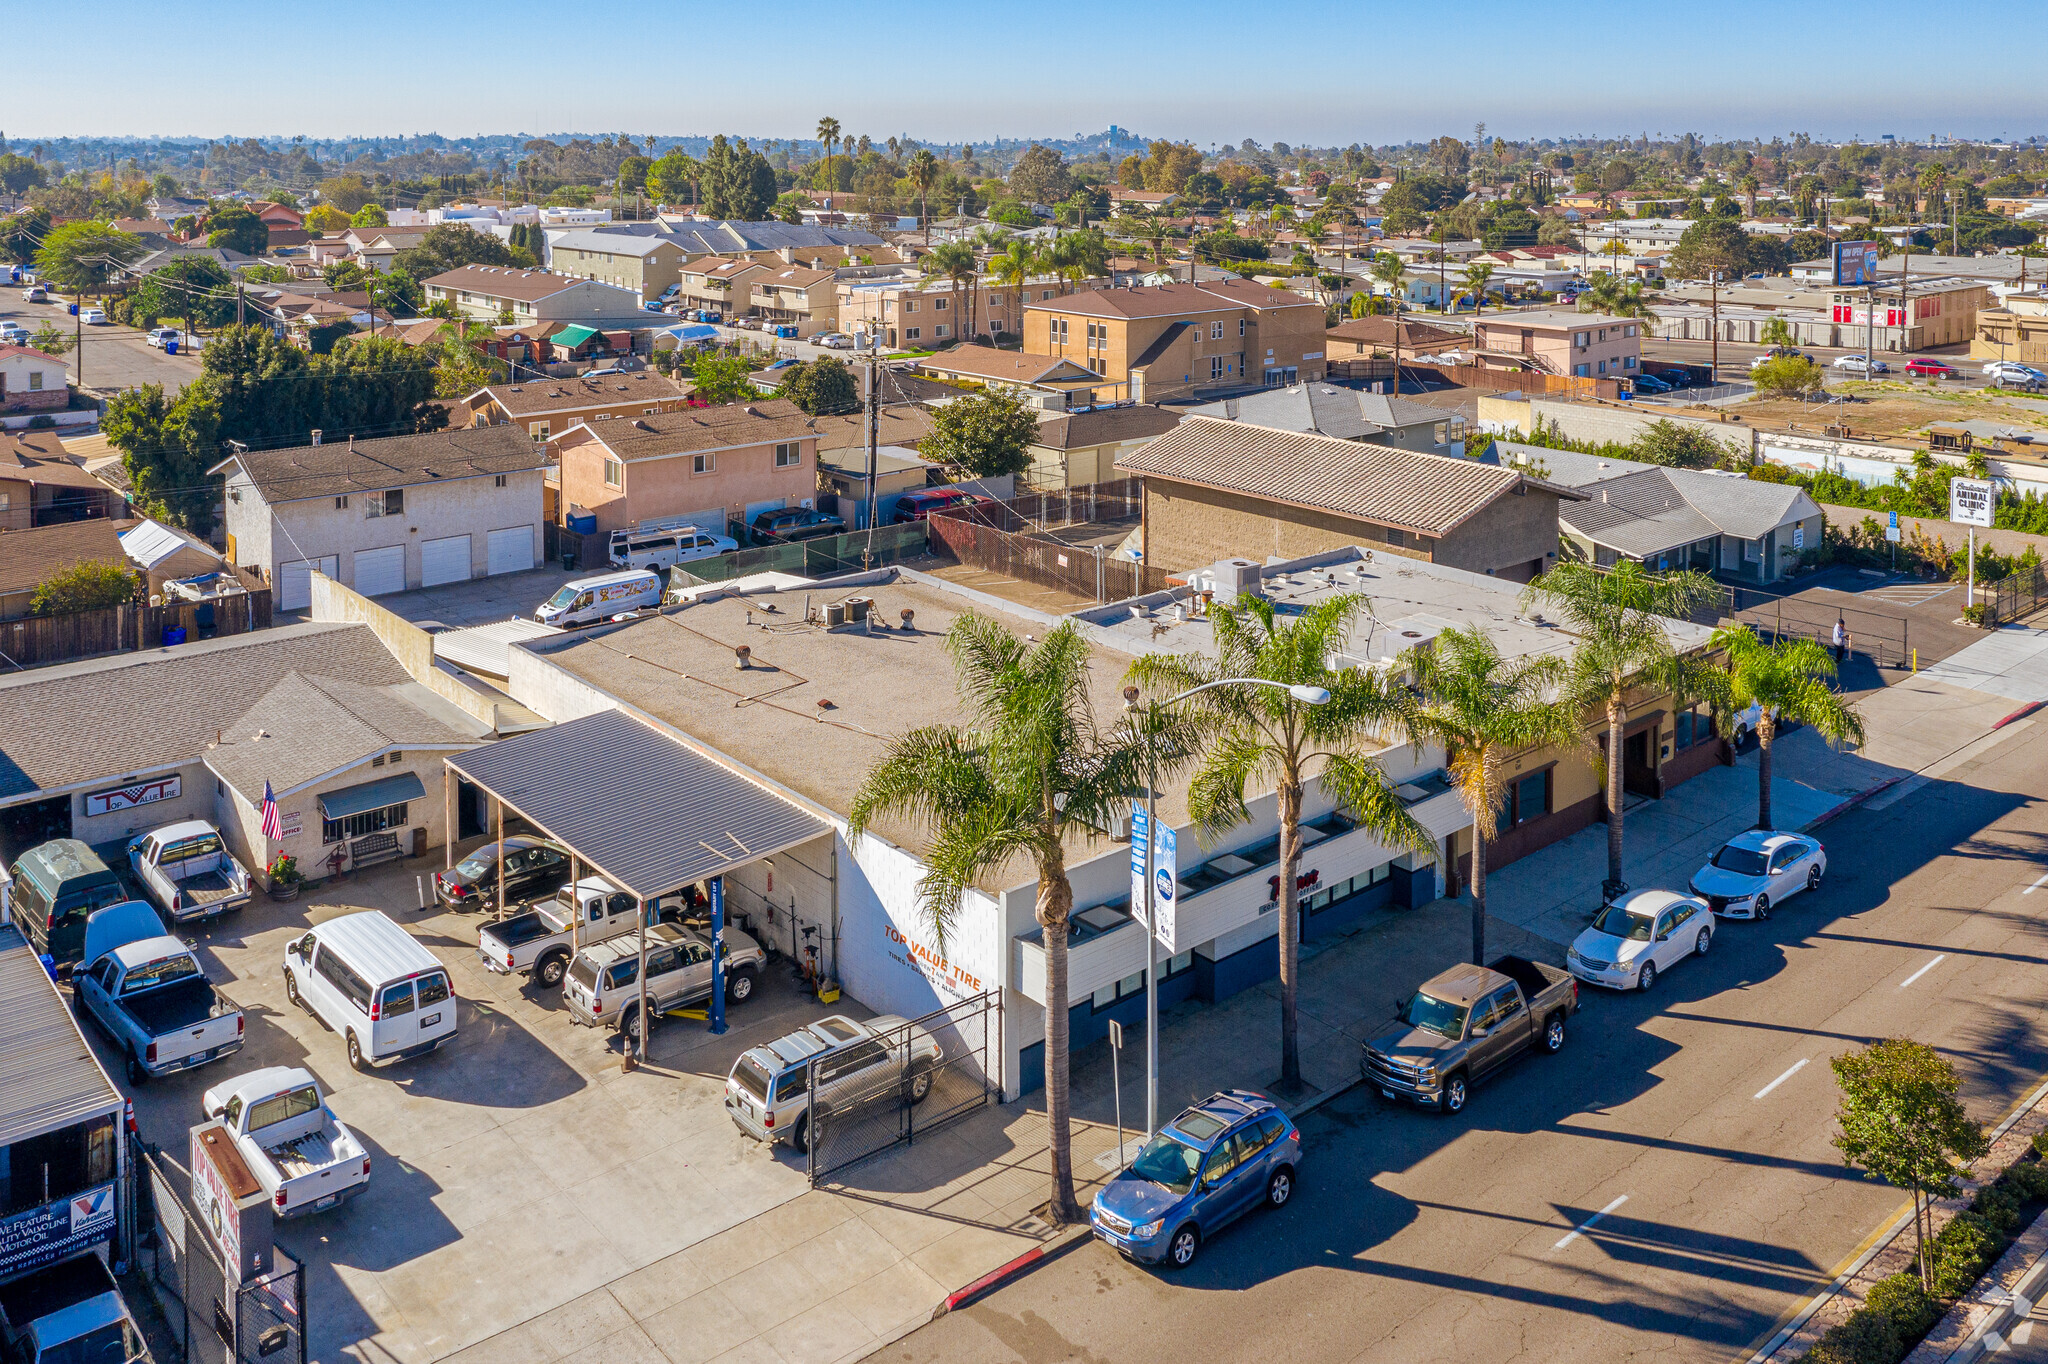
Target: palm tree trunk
1765 728
1479 892
1290 934
1055 900
1617 720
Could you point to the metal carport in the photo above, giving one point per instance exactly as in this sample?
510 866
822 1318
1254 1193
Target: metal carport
647 812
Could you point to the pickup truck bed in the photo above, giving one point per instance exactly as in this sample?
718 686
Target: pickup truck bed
1533 976
171 1008
518 930
207 887
314 1151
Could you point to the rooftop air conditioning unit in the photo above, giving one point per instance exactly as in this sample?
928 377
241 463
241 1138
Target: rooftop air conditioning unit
1234 578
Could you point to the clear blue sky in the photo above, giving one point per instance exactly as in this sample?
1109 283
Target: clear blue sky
971 70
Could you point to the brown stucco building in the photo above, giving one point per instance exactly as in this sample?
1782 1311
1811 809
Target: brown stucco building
1178 340
734 460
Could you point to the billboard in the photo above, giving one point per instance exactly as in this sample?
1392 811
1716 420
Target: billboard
1855 263
47 1234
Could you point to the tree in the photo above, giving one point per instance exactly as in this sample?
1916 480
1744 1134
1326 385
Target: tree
1710 245
370 215
1482 708
1903 1122
955 261
738 182
1014 265
93 585
461 367
166 446
346 192
236 228
393 293
828 137
20 174
1619 617
1678 445
322 219
923 172
673 176
21 234
722 379
195 289
448 247
51 339
1476 277
982 435
1776 332
1041 175
1268 735
1033 772
821 387
1785 680
1749 185
1790 376
83 257
1609 294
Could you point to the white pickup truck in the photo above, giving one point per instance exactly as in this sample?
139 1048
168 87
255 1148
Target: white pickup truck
149 994
539 942
290 1140
188 871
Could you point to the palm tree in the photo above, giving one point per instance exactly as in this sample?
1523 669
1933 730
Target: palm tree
1476 277
986 242
954 260
1483 708
828 136
1269 734
923 170
1080 256
1607 294
1618 615
1014 265
1784 680
1749 185
1032 772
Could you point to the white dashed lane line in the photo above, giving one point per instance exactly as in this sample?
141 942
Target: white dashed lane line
1587 1225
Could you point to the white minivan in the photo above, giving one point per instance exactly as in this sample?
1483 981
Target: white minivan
586 601
369 980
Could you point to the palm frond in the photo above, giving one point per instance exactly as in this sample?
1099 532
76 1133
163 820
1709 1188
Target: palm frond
923 774
1362 789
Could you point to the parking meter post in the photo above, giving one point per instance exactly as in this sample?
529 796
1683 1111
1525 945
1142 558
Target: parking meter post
1116 1080
717 955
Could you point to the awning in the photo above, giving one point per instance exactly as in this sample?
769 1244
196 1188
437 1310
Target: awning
693 332
372 795
649 812
571 337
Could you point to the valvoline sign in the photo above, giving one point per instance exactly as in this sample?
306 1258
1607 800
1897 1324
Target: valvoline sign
50 1233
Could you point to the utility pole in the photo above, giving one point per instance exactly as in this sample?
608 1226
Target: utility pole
1714 333
874 412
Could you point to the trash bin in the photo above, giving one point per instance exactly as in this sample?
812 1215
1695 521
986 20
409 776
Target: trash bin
73 309
171 347
174 634
568 560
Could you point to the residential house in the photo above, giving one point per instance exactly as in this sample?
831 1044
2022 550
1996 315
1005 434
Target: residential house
1180 339
1346 414
843 481
41 484
646 265
30 558
488 292
276 215
1367 337
718 284
712 464
843 440
1420 251
796 295
819 246
31 381
170 209
374 248
1216 489
1075 449
156 230
1044 381
1142 198
1588 345
548 407
231 261
387 515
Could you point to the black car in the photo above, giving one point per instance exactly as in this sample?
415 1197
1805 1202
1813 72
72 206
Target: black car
1677 378
534 867
794 523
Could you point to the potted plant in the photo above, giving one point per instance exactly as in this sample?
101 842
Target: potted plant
284 876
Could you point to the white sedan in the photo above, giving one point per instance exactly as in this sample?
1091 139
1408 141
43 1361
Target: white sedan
92 317
1629 944
1857 364
1755 870
833 340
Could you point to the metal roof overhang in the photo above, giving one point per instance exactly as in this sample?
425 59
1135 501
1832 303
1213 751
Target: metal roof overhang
648 812
372 795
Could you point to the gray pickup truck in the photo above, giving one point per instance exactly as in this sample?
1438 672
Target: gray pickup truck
1465 1023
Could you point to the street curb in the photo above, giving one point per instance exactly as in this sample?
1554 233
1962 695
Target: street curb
2022 713
1852 802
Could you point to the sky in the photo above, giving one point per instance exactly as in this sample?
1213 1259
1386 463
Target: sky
1370 71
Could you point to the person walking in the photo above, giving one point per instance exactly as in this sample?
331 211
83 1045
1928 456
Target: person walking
1841 639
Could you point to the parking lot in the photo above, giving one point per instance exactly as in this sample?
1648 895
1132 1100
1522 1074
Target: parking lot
479 601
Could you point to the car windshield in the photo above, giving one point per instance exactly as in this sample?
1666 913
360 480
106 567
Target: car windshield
1623 923
114 1343
1169 1163
1741 861
164 971
562 598
1431 1014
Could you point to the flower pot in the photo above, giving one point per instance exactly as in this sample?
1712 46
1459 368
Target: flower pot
282 891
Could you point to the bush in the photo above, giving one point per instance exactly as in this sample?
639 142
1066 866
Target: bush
1867 1337
2028 1180
1999 1209
42 422
2041 1145
1792 377
1901 1298
90 586
1962 1252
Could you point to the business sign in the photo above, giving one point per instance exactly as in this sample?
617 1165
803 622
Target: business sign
239 1225
1799 535
115 799
290 822
1855 264
45 1235
1970 501
955 981
1165 883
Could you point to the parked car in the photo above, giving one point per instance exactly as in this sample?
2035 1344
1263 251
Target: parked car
52 889
188 871
916 506
92 317
1649 383
159 337
35 293
2013 374
1857 364
784 363
148 993
666 548
540 941
833 340
1213 1163
1757 869
604 980
1677 378
302 1155
70 1312
1927 368
12 333
1778 353
1465 1023
586 601
367 979
1629 944
535 867
787 524
859 1065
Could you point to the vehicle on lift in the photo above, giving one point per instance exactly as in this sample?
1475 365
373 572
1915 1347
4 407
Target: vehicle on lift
604 981
147 991
301 1154
541 941
534 866
859 1065
188 871
1465 1023
51 891
70 1312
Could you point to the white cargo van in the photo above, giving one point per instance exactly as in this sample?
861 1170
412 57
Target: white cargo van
586 601
366 978
666 548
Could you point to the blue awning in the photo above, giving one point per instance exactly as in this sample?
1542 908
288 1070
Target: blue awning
372 795
698 332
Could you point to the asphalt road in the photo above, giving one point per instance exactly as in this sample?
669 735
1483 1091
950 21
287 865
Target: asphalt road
1696 1118
114 357
1735 358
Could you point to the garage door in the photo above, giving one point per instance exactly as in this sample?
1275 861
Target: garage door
380 572
295 581
510 550
444 561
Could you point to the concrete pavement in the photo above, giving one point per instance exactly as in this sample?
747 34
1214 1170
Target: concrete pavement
109 357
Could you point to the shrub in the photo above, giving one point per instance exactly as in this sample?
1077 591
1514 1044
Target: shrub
90 586
2029 1179
2041 1145
1999 1209
42 422
1792 377
1867 1337
1901 1298
1962 1252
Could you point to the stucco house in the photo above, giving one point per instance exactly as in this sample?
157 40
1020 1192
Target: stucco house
31 381
529 297
712 464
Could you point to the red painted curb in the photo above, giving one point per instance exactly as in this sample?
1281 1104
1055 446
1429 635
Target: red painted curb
2022 713
993 1278
1853 801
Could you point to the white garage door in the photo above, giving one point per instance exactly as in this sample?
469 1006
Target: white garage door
295 581
510 550
380 572
444 561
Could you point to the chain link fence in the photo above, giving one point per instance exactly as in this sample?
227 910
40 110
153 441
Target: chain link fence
909 1081
2017 596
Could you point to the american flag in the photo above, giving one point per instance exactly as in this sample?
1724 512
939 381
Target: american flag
273 827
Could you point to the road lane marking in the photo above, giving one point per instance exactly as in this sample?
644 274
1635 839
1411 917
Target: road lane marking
1587 1225
1939 958
2037 885
1797 1066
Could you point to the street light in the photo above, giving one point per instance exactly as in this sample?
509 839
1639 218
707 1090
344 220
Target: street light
1308 696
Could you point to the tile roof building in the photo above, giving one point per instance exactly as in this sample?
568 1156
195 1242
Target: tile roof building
710 464
1182 340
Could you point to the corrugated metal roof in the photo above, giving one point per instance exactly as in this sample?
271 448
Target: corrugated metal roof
48 1077
649 812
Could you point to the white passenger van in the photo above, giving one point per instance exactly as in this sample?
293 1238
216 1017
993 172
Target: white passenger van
666 548
585 601
367 979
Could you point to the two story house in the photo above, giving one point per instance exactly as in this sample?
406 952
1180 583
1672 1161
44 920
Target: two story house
545 408
1174 340
1588 345
488 292
710 464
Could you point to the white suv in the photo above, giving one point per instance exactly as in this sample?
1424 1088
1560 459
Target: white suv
157 336
886 1059
2014 374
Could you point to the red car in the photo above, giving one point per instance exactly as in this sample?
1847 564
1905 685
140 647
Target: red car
1932 369
919 505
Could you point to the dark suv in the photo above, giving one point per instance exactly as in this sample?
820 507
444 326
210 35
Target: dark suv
790 524
534 867
921 504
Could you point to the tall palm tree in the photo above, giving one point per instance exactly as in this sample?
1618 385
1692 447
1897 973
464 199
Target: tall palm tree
923 170
1032 772
1483 708
1618 615
986 242
1476 277
828 136
954 260
1080 256
1786 681
1268 735
1608 294
1749 185
1014 265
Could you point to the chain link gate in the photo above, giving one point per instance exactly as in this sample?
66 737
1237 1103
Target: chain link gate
909 1081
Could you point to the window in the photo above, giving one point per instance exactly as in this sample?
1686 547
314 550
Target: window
499 481
1133 985
337 973
1527 798
1396 537
1216 331
398 999
1581 339
35 380
1690 728
703 464
614 474
789 455
1056 331
910 305
1628 331
1215 368
940 305
911 333
1443 433
368 822
341 504
1240 326
942 331
1044 295
1628 362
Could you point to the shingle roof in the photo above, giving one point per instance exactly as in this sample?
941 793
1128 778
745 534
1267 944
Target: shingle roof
1379 331
1103 426
40 457
1345 413
589 391
1657 509
140 712
895 425
502 281
338 467
9 351
1171 300
307 725
30 557
1427 493
704 428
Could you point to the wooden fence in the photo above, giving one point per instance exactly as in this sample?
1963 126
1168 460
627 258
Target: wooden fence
992 537
36 641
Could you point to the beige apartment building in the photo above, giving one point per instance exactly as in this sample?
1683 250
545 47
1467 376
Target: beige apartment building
795 294
714 463
1175 340
1588 345
646 265
919 311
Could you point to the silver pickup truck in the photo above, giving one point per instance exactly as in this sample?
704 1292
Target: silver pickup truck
540 941
188 871
147 991
1466 1023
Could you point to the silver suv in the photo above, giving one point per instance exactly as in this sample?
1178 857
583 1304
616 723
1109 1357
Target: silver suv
858 1065
603 987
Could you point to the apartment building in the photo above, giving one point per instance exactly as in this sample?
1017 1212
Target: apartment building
914 310
649 266
1588 345
719 284
488 292
1177 340
548 407
797 295
713 464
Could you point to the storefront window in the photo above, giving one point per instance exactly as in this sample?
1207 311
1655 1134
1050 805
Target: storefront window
1134 984
368 822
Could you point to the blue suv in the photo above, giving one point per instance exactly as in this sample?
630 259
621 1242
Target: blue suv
1215 1162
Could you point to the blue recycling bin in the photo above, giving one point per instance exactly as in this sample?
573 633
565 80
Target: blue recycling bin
171 346
173 634
73 308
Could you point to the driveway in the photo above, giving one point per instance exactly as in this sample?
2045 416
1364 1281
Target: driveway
108 357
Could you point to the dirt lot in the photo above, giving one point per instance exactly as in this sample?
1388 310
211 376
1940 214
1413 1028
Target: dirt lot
1888 409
